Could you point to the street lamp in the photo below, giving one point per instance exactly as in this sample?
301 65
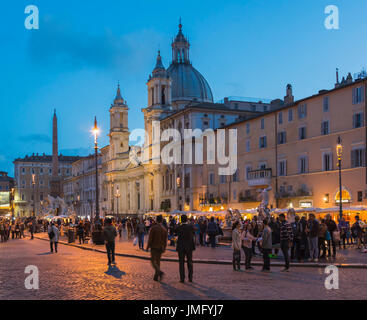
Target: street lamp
97 235
96 132
339 150
34 194
12 202
117 195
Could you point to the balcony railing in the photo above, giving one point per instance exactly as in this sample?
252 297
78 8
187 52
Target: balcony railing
259 177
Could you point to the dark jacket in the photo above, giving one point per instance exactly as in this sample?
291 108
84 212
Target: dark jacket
313 228
109 233
275 232
331 226
185 237
157 237
212 228
80 230
141 228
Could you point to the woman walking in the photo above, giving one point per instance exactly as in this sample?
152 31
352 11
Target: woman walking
53 234
236 245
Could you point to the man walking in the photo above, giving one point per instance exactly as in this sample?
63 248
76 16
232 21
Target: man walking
141 231
53 234
110 233
157 243
286 237
312 231
185 247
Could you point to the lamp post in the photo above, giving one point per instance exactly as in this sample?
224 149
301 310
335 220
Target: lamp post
117 195
97 235
339 150
96 132
34 194
12 202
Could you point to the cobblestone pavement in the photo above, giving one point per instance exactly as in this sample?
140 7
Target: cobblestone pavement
349 255
78 274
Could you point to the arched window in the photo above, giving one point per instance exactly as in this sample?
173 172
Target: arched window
152 90
345 197
163 96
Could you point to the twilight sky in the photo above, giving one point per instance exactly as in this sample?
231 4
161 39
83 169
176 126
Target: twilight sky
249 48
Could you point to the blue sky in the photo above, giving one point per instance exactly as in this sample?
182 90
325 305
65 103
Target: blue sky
73 62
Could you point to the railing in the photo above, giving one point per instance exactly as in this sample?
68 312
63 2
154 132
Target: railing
259 174
260 177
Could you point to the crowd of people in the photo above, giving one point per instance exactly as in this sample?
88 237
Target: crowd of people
301 240
11 229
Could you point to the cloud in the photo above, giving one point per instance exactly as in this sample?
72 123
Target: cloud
58 44
35 138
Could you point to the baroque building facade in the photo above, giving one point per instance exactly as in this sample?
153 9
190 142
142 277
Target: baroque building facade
179 97
284 144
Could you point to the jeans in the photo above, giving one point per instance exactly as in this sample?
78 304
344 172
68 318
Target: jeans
331 243
248 256
236 259
284 245
266 258
81 238
202 239
110 247
342 240
52 244
314 247
212 239
141 240
155 259
181 257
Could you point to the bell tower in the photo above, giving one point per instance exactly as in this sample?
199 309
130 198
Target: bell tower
159 100
119 130
159 86
159 95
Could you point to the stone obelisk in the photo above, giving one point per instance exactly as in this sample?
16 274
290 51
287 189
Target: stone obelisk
55 182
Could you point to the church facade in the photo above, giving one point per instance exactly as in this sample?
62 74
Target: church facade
179 97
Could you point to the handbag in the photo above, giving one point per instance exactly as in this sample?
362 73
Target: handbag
135 242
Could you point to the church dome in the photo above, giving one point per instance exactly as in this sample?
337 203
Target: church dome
187 83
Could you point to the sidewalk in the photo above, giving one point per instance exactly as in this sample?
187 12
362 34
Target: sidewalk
348 258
